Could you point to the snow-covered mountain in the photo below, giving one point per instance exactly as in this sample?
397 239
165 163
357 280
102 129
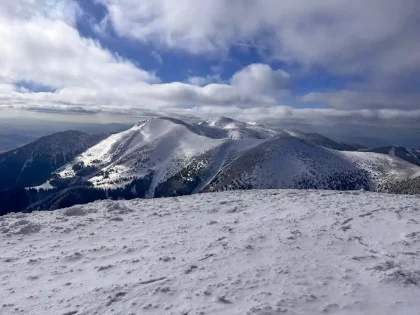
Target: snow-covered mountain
234 253
289 162
324 141
224 127
33 163
161 157
161 146
407 154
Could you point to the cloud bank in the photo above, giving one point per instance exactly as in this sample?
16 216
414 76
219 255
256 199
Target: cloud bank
374 39
347 36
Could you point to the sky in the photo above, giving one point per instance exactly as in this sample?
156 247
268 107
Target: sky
325 63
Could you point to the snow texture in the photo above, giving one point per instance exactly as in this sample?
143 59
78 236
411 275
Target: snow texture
240 252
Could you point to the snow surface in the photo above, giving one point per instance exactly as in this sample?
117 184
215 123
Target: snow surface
240 252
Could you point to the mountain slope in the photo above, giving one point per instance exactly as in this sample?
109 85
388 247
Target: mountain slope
160 146
224 127
324 141
242 252
34 163
409 186
410 155
289 162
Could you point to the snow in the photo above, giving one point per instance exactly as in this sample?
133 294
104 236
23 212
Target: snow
101 152
296 133
226 123
164 146
157 144
224 127
288 162
417 174
45 186
27 163
387 167
240 252
392 151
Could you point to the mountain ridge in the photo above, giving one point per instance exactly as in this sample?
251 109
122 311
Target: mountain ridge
33 163
162 157
410 155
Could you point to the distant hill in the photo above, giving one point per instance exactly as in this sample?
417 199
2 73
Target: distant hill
34 163
13 141
407 154
325 142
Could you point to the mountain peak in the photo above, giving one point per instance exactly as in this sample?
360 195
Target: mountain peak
226 123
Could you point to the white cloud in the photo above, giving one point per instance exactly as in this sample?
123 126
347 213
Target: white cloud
346 99
210 101
43 49
7 88
52 53
282 115
63 10
368 36
157 56
205 80
261 79
142 95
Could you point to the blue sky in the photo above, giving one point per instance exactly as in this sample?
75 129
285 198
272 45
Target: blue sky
312 62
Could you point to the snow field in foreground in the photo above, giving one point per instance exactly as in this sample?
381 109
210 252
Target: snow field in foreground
243 252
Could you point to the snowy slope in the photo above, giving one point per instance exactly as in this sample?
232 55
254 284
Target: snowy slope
224 127
407 154
164 148
288 162
33 163
159 145
244 252
324 141
160 148
162 157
